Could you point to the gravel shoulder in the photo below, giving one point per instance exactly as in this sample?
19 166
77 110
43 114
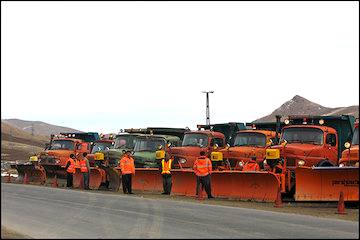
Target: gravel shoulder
7 233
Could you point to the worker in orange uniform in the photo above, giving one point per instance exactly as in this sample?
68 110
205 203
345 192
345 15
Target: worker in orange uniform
202 168
166 174
127 170
85 169
70 170
251 165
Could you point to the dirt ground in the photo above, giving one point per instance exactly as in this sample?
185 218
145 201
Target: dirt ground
7 233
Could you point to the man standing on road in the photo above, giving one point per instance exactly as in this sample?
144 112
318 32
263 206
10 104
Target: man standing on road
70 170
202 168
166 174
85 169
127 170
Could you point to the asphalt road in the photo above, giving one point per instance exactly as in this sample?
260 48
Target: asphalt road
44 212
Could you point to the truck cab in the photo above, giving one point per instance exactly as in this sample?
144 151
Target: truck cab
146 146
59 150
123 141
193 143
350 156
248 144
314 140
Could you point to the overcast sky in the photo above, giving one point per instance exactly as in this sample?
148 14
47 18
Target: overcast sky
102 66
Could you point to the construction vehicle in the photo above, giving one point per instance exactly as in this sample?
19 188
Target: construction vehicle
147 145
207 138
306 160
350 156
251 144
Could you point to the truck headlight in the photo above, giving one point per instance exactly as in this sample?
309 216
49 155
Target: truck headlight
241 164
265 163
341 165
182 160
301 163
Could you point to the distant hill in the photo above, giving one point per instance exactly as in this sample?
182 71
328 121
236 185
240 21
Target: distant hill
19 145
38 127
301 106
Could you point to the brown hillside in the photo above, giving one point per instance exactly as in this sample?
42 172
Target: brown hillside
38 127
301 106
18 145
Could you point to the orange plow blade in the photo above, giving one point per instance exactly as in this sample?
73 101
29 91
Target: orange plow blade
326 183
95 178
35 174
147 179
78 178
183 182
256 186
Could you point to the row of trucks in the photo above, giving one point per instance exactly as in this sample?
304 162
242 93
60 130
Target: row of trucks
307 158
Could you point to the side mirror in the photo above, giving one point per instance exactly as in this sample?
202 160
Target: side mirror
269 143
347 145
169 144
216 146
227 146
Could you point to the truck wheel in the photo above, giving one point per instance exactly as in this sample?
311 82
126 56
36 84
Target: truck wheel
325 163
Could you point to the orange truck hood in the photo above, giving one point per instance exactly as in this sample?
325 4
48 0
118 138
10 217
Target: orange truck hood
350 155
62 155
245 153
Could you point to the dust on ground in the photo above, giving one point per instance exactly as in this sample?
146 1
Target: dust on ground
7 233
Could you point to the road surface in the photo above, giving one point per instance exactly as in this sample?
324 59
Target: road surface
44 212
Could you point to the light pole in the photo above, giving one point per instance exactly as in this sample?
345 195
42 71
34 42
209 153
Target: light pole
207 106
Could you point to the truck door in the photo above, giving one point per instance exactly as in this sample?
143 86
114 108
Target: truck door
331 148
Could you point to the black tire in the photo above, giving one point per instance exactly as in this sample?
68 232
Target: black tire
325 163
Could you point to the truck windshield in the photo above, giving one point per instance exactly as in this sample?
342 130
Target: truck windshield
355 140
125 141
303 135
250 139
101 146
62 144
195 139
150 145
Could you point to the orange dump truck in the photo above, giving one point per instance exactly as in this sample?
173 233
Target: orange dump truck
306 160
251 143
193 143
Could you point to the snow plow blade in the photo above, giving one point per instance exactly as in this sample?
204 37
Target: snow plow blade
35 174
95 178
147 179
256 186
113 177
52 170
326 183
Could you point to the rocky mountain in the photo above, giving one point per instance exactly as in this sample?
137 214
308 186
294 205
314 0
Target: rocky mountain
301 106
37 127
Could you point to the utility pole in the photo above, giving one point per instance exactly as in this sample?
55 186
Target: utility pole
207 106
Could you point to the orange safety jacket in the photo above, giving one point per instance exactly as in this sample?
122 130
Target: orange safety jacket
251 166
166 166
202 166
71 168
127 165
83 166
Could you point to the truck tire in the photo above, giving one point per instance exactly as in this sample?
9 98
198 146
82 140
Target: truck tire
325 163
